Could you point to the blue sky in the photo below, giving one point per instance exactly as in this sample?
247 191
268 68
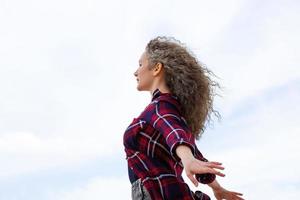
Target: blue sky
68 92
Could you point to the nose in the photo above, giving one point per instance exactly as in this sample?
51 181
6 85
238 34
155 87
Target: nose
135 73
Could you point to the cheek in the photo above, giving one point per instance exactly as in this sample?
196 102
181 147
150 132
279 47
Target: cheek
144 78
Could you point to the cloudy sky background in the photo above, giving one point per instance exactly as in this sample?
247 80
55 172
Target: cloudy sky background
68 92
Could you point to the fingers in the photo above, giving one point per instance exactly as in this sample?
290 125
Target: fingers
214 165
235 195
202 167
217 173
213 171
214 162
193 179
239 198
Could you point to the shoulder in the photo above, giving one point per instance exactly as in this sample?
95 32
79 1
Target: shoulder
167 99
164 104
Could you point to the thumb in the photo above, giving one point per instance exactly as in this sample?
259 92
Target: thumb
193 179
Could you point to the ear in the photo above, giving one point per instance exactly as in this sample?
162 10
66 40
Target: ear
157 69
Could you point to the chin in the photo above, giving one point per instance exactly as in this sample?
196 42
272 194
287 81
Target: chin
139 88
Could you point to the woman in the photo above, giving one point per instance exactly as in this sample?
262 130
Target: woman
160 142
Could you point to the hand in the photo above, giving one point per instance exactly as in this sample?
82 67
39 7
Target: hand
222 193
194 166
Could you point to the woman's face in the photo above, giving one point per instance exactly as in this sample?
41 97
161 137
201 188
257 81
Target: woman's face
143 74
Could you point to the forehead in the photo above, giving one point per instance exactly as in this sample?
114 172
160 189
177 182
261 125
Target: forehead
143 56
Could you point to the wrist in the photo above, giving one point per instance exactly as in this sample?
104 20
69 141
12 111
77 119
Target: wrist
215 185
186 160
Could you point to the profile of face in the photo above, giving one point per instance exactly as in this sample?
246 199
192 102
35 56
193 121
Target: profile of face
143 74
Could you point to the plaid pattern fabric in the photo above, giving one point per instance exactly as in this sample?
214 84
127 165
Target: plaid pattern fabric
150 142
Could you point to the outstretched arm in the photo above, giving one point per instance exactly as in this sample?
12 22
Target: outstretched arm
193 166
221 193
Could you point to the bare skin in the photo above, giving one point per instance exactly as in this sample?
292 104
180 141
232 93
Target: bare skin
149 80
193 166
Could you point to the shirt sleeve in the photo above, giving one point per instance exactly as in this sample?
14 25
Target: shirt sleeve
165 117
204 178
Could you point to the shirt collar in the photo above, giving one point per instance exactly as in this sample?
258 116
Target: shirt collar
156 93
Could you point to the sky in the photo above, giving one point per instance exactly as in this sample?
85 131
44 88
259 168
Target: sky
68 92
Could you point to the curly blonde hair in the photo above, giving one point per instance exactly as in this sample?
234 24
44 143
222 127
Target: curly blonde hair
187 78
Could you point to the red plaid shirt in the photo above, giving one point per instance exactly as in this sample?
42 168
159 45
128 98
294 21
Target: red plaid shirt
150 142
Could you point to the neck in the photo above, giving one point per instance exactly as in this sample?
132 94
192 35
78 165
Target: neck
162 88
160 83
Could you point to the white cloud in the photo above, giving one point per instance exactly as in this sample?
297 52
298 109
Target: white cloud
68 90
260 148
24 153
256 51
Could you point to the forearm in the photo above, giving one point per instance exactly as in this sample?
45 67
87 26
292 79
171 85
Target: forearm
184 153
215 185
